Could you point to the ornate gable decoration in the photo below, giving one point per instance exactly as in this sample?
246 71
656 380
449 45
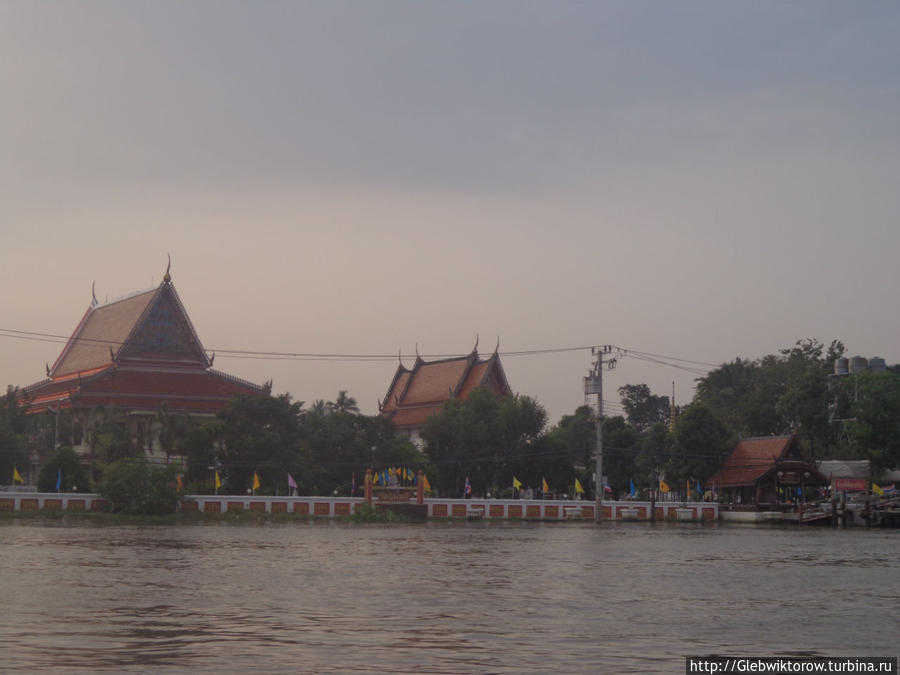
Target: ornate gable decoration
164 333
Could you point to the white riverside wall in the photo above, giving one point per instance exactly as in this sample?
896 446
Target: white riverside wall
332 507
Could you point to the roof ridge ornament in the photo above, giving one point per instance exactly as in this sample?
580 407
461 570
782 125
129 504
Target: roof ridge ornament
167 278
475 348
94 302
497 348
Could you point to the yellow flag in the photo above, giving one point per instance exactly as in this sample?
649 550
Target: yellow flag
517 484
17 477
255 481
218 481
544 486
425 482
663 487
876 490
374 478
178 484
578 489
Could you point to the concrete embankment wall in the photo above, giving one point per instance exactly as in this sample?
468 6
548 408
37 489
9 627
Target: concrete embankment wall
332 507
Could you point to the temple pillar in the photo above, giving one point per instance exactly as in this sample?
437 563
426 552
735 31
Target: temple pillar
420 487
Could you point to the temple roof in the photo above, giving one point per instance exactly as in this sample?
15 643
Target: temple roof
147 325
136 353
416 394
753 458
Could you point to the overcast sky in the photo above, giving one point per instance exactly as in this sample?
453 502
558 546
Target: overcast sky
700 180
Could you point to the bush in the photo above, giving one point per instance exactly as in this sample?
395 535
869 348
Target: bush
135 487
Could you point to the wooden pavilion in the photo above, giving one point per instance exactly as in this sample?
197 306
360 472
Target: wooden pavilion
767 473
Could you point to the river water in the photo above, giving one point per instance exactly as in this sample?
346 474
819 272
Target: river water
328 597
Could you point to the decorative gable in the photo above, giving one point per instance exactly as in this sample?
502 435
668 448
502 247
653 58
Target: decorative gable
164 333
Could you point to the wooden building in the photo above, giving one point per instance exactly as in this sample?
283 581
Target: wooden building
767 473
417 393
138 355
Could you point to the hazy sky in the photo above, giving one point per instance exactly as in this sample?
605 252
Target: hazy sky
701 180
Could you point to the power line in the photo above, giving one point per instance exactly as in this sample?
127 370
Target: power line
252 354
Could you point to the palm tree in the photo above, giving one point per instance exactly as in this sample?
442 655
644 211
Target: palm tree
343 403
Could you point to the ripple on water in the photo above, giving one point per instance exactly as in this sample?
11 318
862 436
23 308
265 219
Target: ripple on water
438 598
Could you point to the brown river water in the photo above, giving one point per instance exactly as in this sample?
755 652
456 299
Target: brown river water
439 597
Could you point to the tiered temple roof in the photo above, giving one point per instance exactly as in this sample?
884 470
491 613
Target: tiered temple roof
416 394
136 353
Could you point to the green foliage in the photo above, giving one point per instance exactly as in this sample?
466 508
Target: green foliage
777 394
363 513
13 443
489 439
578 434
136 487
64 461
621 443
876 430
642 408
111 439
699 445
260 434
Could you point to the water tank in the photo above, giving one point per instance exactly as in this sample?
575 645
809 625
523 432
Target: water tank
877 364
858 364
841 366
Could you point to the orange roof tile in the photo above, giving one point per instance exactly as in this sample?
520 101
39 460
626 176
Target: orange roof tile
435 381
416 394
752 458
101 329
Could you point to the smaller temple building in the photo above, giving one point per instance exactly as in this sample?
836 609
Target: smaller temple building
417 393
137 355
767 473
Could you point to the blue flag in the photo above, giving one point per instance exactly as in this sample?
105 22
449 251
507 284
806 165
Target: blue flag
633 491
58 479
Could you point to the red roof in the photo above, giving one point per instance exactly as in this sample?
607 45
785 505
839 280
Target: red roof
753 458
136 353
148 325
414 395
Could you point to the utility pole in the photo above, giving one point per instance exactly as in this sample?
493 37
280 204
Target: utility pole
593 385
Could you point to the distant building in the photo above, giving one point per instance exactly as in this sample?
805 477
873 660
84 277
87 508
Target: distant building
418 393
135 354
766 473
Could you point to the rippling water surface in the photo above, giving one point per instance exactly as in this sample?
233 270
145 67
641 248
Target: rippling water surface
437 597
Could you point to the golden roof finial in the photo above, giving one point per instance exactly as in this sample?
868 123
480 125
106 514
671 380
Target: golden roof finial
168 277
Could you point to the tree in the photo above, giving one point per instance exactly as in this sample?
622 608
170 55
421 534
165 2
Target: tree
135 487
13 440
777 394
487 439
700 443
578 434
260 434
343 403
64 464
199 447
111 439
621 442
876 431
642 408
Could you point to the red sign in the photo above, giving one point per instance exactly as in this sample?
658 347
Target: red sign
852 484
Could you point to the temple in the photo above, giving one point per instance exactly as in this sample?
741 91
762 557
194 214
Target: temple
418 393
138 354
